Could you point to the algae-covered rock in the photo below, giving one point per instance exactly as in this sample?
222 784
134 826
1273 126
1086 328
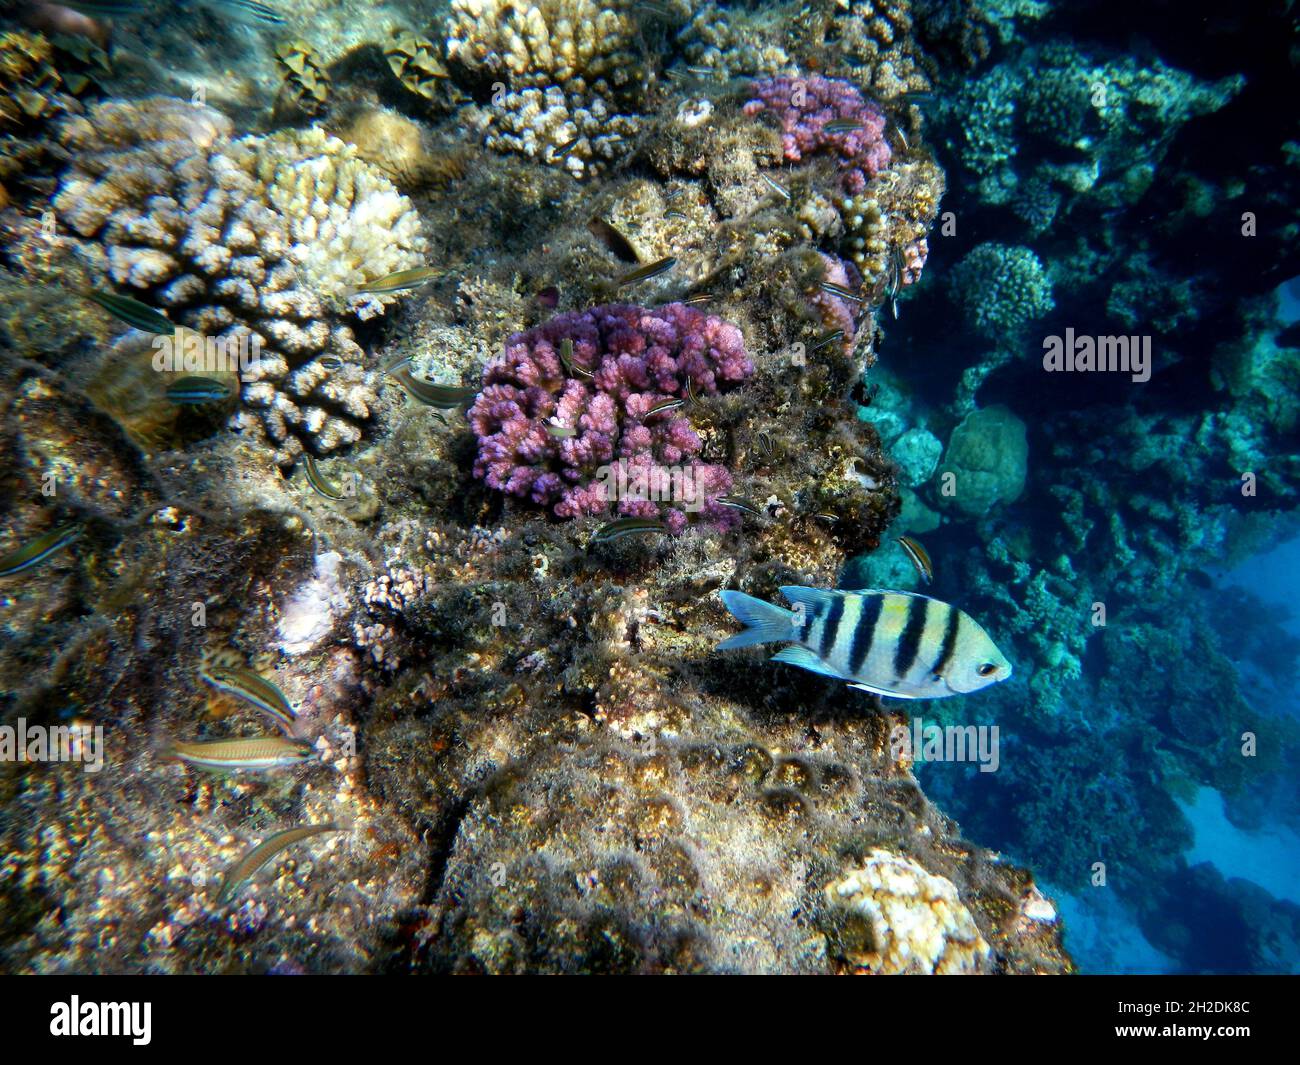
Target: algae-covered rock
987 457
917 453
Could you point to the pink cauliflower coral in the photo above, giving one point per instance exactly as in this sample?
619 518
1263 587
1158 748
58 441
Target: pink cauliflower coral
805 106
578 444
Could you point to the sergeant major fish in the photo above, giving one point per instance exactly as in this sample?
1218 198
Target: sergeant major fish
894 644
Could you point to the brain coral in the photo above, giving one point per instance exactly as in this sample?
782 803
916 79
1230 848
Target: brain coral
898 918
547 435
252 240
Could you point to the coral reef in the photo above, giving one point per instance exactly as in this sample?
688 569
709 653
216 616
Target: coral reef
251 240
538 761
987 456
544 435
899 918
560 70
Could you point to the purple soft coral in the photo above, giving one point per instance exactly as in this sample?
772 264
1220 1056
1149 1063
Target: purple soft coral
577 443
806 105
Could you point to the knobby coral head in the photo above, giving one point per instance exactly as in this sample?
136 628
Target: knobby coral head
805 106
590 441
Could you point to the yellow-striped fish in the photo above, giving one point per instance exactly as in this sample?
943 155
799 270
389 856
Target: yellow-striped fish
895 644
253 689
37 551
645 273
397 282
919 556
255 753
255 857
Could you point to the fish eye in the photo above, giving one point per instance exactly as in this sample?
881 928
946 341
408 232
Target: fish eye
987 669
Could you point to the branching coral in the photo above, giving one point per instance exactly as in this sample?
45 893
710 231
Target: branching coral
879 35
886 224
805 106
252 240
547 436
560 71
1003 289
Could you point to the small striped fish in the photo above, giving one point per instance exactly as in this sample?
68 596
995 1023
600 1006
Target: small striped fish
255 753
444 397
319 483
256 857
255 690
889 643
645 273
919 556
249 12
398 282
195 391
37 551
134 313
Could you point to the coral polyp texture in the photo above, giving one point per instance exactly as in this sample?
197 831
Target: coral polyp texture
572 440
899 918
561 72
804 107
566 42
253 240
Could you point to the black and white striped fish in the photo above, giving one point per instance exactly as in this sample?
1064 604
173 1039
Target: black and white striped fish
895 644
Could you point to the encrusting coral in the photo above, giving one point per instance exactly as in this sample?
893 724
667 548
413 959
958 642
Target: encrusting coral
899 918
253 241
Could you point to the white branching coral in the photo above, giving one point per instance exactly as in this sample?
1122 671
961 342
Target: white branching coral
739 43
572 43
893 916
568 70
252 240
579 134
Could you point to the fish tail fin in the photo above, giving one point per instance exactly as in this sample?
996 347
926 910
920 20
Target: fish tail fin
764 622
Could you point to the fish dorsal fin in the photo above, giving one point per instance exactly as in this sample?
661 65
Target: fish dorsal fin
881 591
805 659
811 598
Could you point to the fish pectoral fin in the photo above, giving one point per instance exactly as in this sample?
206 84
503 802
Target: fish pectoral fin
805 659
884 693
